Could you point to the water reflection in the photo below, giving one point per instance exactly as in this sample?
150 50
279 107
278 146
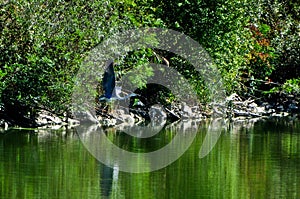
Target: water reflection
259 159
106 179
111 150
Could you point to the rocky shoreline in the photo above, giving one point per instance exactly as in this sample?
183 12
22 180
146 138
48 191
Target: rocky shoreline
234 108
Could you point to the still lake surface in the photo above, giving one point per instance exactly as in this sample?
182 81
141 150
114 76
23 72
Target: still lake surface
255 160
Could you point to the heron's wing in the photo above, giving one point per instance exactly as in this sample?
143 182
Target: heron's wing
108 81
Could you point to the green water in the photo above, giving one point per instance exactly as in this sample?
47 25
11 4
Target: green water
249 161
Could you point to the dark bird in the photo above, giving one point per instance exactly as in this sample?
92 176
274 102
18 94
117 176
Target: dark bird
109 80
111 91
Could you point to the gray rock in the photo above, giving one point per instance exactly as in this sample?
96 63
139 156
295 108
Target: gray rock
157 113
47 118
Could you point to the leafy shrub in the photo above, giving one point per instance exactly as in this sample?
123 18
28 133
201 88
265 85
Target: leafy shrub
42 45
220 27
277 37
292 86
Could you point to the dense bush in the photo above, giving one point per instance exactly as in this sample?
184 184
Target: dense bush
251 42
276 30
219 26
42 44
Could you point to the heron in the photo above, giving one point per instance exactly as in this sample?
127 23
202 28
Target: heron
111 91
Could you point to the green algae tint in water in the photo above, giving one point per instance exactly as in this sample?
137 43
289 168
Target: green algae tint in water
258 161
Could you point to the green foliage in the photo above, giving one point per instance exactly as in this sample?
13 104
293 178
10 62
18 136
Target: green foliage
220 27
42 45
277 50
246 39
137 63
292 86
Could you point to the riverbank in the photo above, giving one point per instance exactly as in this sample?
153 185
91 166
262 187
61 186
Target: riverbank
235 108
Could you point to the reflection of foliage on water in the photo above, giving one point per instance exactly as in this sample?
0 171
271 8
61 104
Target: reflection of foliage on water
136 144
259 161
46 164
